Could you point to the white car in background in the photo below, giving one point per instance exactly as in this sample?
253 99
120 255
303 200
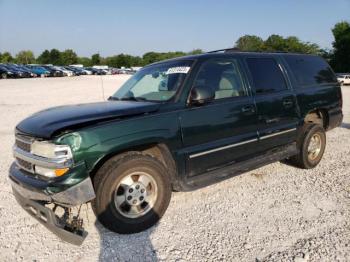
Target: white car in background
344 79
86 71
64 70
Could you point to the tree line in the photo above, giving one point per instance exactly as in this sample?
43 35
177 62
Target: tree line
338 56
69 57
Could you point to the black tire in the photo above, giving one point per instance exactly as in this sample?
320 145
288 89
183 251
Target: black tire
303 158
108 178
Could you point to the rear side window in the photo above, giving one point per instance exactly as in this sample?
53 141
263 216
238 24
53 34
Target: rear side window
310 70
267 75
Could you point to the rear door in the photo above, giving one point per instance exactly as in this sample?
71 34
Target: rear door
224 131
275 102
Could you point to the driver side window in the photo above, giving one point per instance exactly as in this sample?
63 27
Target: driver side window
222 76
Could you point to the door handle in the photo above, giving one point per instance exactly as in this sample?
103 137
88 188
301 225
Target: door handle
272 120
248 109
287 103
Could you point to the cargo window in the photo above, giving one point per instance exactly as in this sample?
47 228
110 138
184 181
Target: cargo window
267 75
310 70
223 76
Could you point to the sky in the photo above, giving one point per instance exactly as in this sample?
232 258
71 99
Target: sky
136 27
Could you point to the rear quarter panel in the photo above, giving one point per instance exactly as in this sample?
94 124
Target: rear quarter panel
327 97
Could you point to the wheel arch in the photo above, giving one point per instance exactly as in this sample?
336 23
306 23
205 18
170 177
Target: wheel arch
158 150
318 116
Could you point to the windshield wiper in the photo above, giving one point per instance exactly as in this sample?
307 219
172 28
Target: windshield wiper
133 98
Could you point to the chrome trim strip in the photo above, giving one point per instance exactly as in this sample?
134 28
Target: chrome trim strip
278 133
222 148
240 143
41 161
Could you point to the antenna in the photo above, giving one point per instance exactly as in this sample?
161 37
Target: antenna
102 88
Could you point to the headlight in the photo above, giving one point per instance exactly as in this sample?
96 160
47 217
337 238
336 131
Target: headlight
53 152
10 73
49 150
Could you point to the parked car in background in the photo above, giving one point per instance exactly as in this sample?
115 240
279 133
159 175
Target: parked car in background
34 70
5 73
75 70
21 71
86 71
24 68
53 72
38 70
66 72
11 72
96 71
343 79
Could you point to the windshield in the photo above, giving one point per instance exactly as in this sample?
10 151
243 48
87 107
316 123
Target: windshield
155 83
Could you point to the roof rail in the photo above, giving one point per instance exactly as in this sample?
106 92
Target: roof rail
231 49
235 49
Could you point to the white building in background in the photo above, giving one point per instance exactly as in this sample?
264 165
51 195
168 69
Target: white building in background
100 66
78 65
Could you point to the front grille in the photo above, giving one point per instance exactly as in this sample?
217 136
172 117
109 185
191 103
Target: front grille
24 164
23 145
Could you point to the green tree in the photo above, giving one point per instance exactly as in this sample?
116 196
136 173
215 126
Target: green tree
69 57
275 43
341 57
123 60
55 57
44 57
152 57
6 58
25 57
95 59
250 43
293 44
195 52
84 61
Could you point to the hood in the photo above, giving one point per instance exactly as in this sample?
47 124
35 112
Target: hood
46 123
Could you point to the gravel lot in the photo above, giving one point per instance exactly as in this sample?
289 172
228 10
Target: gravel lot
271 214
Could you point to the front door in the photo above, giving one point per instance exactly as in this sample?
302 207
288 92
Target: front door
224 131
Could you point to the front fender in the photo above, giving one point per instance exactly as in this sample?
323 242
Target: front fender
95 143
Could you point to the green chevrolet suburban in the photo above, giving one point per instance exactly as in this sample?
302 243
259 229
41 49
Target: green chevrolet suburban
176 125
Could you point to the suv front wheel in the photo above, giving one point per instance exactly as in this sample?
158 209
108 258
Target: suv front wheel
311 146
132 192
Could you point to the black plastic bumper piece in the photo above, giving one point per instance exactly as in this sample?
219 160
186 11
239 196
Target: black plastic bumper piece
50 220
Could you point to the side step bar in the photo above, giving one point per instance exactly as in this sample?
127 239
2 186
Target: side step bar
235 169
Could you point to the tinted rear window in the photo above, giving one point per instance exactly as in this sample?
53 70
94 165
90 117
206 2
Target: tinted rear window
310 70
266 74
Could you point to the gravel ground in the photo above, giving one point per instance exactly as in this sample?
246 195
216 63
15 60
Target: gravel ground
275 213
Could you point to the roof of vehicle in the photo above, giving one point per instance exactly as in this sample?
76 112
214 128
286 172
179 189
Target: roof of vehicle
228 51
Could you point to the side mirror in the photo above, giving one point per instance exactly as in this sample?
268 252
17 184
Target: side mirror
201 95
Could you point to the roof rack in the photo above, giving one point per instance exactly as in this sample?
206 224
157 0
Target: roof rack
235 49
231 49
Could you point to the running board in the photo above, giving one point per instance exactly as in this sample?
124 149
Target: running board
235 169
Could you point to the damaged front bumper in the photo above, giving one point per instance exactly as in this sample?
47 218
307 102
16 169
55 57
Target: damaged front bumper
33 196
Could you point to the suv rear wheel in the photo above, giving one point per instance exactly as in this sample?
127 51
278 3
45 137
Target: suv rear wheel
311 146
132 192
